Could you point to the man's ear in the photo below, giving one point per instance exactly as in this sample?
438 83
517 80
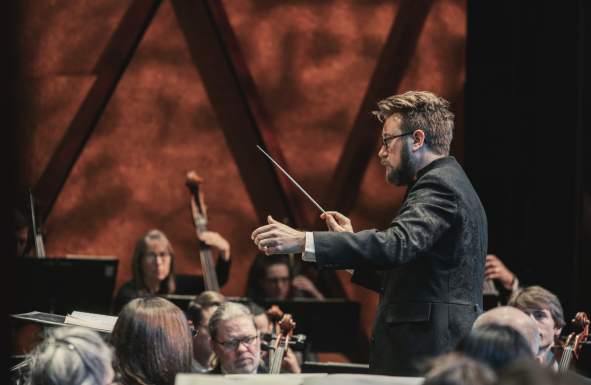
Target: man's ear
418 139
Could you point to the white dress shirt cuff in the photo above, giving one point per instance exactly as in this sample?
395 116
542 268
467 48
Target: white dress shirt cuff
309 254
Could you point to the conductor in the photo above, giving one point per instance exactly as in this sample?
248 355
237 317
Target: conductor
428 265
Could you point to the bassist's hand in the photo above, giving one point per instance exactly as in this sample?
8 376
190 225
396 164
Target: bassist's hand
215 240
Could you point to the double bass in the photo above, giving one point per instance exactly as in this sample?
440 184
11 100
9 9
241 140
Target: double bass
199 215
572 346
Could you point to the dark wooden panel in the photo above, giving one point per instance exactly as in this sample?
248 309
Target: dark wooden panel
110 68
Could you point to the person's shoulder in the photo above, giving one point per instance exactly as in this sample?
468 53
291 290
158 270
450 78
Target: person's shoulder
443 173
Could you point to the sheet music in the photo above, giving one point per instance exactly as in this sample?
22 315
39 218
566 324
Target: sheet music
97 321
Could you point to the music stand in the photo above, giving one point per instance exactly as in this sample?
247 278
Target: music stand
62 285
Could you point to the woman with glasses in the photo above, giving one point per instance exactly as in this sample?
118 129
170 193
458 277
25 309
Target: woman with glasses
153 268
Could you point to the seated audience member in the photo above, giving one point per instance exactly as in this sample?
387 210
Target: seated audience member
153 268
73 356
514 318
271 277
499 282
545 308
235 340
527 372
199 312
152 342
495 345
457 369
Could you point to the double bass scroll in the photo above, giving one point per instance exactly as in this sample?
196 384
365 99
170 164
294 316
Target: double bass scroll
199 215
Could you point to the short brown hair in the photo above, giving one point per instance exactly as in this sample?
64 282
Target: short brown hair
203 301
152 342
168 286
536 297
421 110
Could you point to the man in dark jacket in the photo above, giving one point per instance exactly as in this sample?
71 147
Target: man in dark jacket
428 265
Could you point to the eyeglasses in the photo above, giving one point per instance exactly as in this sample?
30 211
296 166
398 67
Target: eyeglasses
151 257
235 342
538 314
386 140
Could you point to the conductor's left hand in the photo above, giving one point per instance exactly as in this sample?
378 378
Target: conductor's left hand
277 238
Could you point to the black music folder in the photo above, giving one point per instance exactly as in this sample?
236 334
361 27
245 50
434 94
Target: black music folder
62 285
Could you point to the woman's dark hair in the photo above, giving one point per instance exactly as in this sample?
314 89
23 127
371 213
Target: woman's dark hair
152 342
257 272
495 345
167 286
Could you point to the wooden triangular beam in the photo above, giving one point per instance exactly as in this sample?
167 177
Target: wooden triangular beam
109 70
238 108
388 74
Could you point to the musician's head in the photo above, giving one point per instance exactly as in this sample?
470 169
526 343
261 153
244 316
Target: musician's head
152 341
544 308
276 277
261 319
457 369
199 313
514 318
496 345
153 263
71 355
417 126
235 339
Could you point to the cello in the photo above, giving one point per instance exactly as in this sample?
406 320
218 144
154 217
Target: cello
199 215
572 346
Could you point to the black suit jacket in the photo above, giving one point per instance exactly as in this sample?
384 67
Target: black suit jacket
428 267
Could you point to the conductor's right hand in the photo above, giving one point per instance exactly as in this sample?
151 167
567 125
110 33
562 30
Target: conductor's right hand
278 238
337 222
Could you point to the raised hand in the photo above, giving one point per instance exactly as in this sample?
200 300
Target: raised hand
301 282
495 269
337 222
215 240
278 238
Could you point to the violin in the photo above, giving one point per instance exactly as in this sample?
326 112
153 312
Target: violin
286 326
572 347
199 215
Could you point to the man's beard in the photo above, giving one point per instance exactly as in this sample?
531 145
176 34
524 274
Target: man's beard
402 175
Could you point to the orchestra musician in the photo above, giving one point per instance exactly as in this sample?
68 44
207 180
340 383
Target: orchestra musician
154 268
272 277
543 307
428 265
235 340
